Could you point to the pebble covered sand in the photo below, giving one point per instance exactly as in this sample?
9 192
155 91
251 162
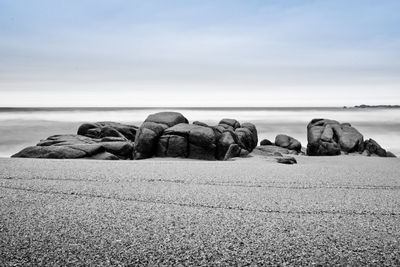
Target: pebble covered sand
341 210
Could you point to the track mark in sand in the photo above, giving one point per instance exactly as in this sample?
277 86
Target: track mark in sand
198 205
180 181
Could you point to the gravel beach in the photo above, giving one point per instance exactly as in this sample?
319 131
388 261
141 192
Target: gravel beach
341 210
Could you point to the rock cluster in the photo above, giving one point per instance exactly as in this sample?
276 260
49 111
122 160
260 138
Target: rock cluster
100 140
329 137
168 134
164 134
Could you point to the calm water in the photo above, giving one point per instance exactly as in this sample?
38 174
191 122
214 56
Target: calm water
24 127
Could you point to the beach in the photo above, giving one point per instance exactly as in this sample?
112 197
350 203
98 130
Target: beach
342 210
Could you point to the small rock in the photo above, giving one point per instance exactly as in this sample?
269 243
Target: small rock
286 160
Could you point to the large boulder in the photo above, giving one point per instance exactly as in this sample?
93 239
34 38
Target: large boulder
328 137
108 129
288 142
148 134
188 140
254 135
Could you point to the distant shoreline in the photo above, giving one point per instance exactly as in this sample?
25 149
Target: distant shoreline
24 109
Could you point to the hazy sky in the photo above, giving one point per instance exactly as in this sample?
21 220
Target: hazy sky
199 53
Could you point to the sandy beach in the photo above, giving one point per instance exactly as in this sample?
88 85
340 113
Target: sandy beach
324 210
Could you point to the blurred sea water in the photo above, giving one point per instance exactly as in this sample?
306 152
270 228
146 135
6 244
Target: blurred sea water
21 127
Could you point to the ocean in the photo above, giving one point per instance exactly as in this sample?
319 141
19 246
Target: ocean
21 127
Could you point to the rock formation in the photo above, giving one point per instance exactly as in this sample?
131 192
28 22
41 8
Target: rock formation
329 137
163 134
168 134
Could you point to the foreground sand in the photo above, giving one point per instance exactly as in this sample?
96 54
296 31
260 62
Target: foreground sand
325 210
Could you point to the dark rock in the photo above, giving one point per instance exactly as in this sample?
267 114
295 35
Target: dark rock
266 142
226 139
200 141
146 141
243 153
172 146
168 118
286 160
65 140
372 147
233 151
253 130
51 152
288 142
123 150
270 150
77 146
328 137
245 138
390 155
108 129
229 124
277 154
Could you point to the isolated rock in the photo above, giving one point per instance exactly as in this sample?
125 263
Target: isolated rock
147 136
288 142
266 142
108 129
286 160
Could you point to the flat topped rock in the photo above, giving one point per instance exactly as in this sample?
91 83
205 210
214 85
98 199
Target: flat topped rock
168 118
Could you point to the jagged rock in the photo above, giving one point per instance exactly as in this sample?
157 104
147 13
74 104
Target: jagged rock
373 148
108 129
266 142
233 151
329 137
288 142
147 136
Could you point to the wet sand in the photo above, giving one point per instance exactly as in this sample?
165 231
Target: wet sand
324 210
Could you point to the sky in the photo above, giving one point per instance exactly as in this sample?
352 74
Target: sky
182 53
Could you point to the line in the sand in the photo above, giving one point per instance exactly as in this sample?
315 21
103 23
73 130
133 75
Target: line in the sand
198 205
178 181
